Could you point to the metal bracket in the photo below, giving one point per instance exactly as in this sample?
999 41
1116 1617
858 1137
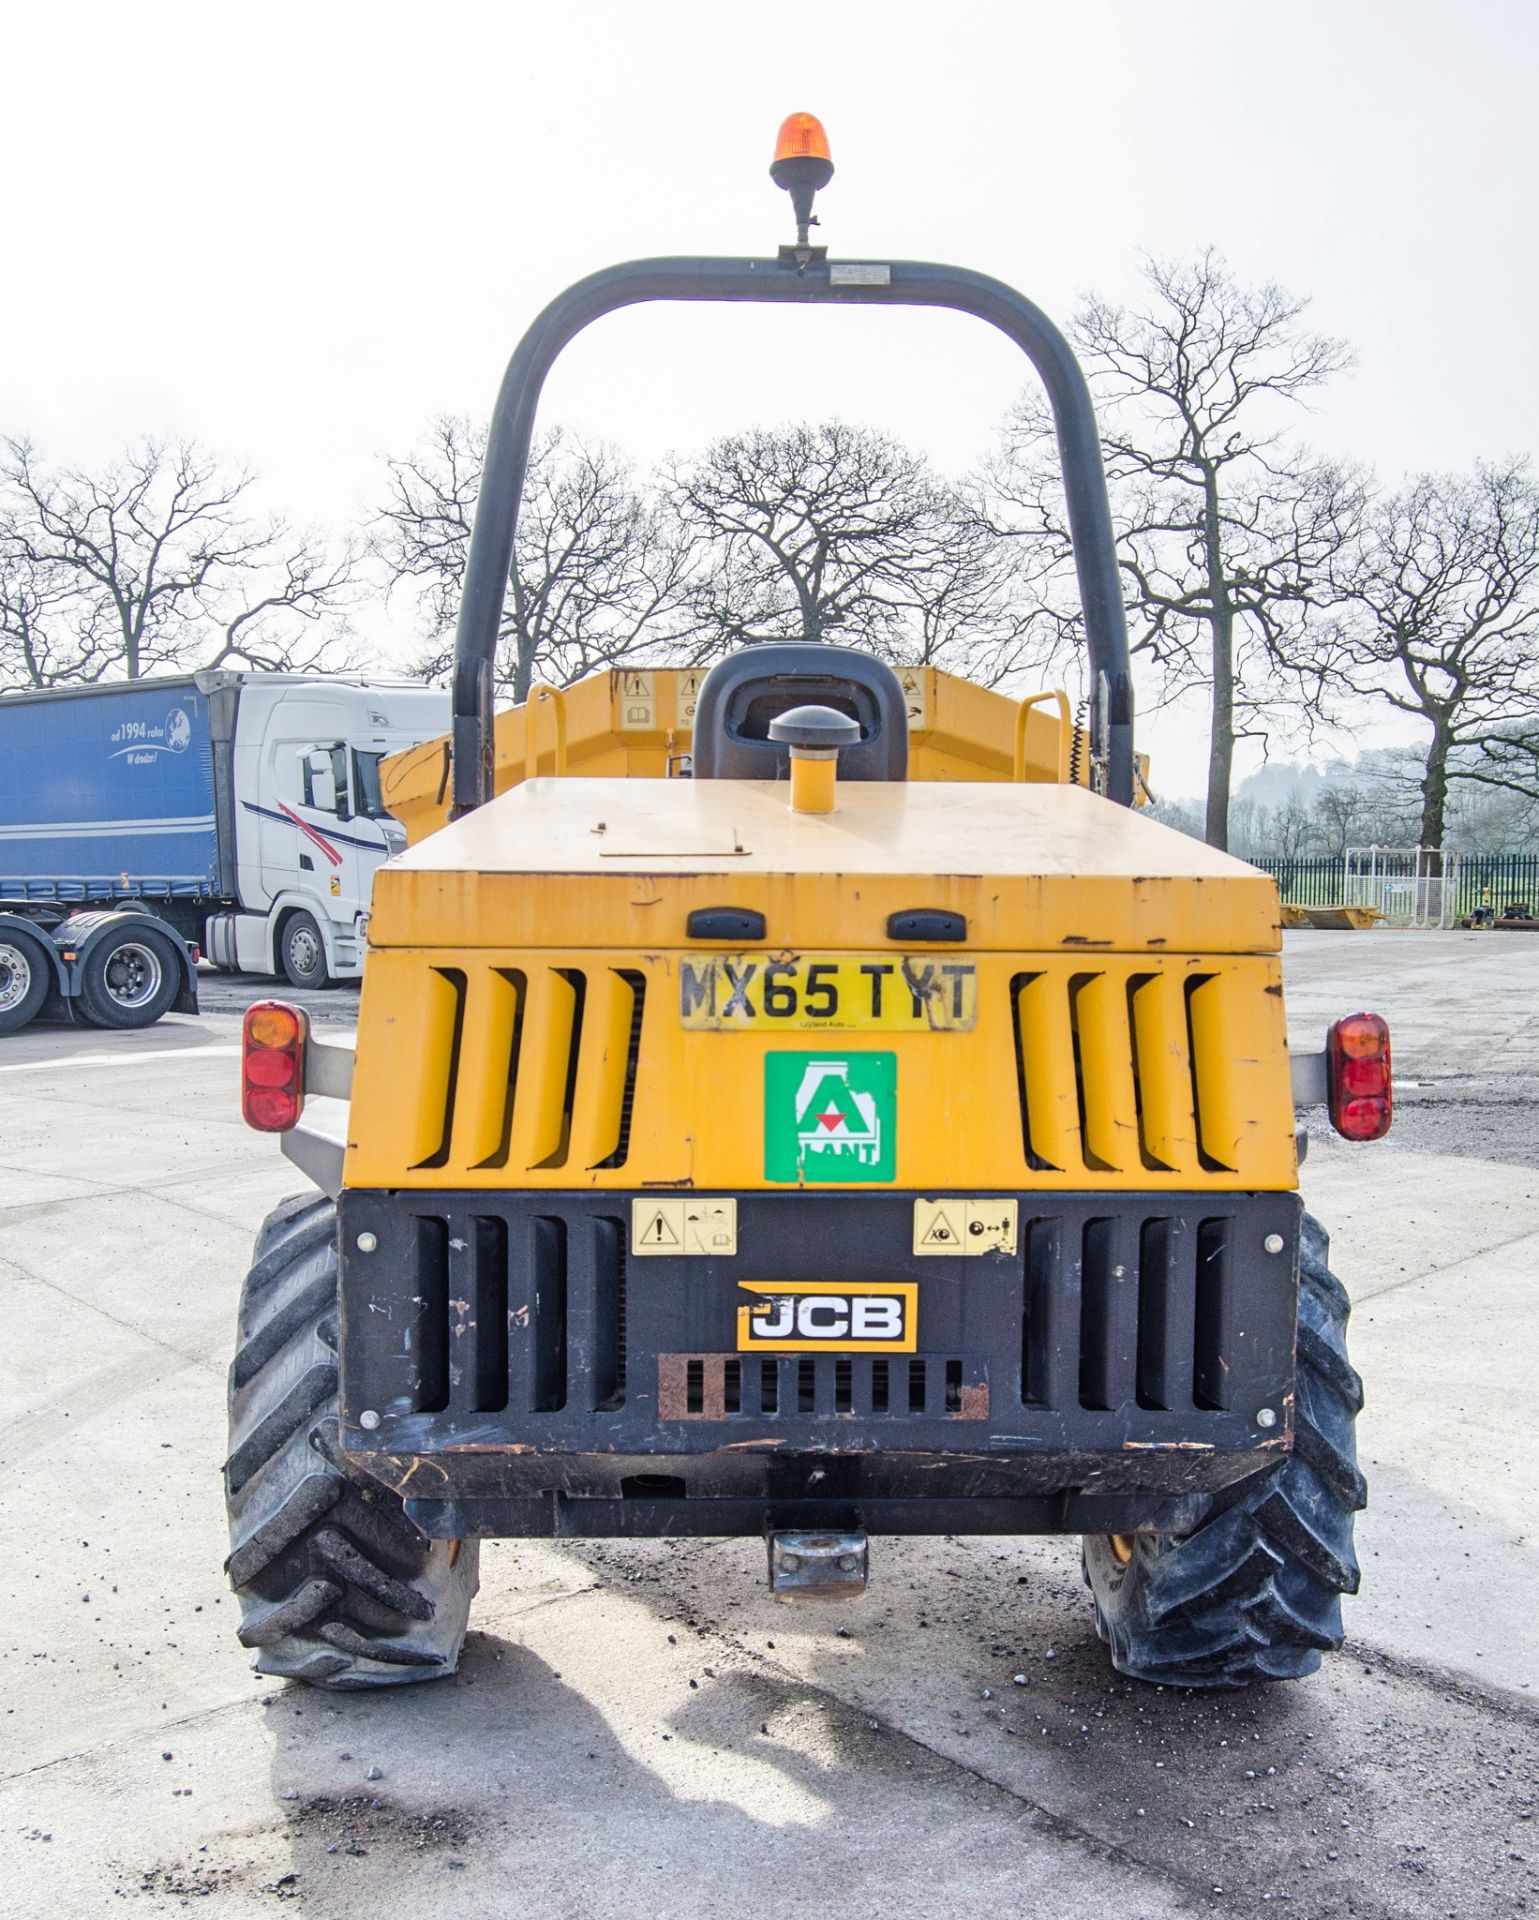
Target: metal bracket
1310 1085
317 1154
817 1566
329 1067
802 257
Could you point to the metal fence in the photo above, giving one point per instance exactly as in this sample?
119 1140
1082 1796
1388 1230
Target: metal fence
1468 880
1406 886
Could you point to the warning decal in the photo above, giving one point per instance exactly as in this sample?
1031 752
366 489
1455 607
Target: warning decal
687 693
940 1235
967 1226
915 686
699 1227
658 1233
638 702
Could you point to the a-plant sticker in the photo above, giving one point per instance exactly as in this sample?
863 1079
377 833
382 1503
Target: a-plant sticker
830 1117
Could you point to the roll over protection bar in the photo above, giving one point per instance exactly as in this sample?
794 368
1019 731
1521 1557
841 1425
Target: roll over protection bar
789 281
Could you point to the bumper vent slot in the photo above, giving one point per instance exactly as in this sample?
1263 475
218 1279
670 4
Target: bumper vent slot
1120 1312
721 1386
522 1317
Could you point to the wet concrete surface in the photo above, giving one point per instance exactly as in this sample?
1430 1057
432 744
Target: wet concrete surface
637 1728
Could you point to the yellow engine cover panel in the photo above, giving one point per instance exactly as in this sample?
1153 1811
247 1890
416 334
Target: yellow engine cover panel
621 863
581 1068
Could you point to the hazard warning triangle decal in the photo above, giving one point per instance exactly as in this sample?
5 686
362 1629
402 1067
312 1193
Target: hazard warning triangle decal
658 1232
940 1233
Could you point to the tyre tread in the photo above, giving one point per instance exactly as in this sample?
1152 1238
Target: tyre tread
1255 1592
337 1587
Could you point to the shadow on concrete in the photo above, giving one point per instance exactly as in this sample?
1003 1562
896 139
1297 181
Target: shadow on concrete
509 1790
1365 1789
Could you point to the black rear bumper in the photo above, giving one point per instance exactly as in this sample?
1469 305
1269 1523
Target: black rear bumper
512 1368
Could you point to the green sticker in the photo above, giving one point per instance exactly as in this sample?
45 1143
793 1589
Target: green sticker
830 1116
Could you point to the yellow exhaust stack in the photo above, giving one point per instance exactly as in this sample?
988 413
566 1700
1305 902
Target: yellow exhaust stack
814 736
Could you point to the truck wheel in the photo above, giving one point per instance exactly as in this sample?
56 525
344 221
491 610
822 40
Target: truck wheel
25 977
1255 1592
302 952
336 1585
129 978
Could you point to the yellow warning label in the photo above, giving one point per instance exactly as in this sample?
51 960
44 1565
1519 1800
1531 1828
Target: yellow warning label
684 1227
686 693
912 680
638 702
942 1233
963 1226
656 1227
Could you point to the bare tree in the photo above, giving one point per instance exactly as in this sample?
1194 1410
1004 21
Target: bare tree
47 638
1290 827
1444 589
1178 814
1343 816
601 574
152 563
1483 821
1225 533
838 532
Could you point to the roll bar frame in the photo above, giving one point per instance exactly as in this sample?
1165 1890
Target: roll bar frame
793 280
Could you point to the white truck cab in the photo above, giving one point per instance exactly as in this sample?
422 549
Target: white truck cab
309 825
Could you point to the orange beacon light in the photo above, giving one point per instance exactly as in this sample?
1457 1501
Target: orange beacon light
802 165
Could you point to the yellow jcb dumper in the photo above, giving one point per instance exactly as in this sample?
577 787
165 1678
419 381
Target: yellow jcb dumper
820 1106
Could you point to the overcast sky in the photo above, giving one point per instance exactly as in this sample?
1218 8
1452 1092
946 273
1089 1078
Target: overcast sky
299 231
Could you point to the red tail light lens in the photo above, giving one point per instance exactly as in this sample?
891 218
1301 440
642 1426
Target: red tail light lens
272 1066
1357 1063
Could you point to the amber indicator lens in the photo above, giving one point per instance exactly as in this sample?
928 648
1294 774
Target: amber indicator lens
1364 1036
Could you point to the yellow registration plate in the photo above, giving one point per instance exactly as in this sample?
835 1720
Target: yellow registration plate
885 993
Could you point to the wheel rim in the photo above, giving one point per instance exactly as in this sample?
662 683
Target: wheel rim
1122 1547
15 978
133 974
304 949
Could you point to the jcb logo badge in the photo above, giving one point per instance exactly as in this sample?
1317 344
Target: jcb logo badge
864 1316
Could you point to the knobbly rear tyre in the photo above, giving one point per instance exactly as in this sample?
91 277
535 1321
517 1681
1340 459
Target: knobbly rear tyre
337 1587
1254 1593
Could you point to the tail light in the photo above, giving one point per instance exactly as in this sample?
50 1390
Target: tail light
1357 1068
272 1065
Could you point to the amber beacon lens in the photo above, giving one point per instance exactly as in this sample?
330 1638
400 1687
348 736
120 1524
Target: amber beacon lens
801 137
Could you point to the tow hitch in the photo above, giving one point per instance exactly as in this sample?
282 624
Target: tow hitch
817 1566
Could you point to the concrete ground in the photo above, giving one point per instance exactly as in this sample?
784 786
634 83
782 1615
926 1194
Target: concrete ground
636 1729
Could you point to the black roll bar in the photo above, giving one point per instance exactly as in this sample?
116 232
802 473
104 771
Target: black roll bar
786 282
